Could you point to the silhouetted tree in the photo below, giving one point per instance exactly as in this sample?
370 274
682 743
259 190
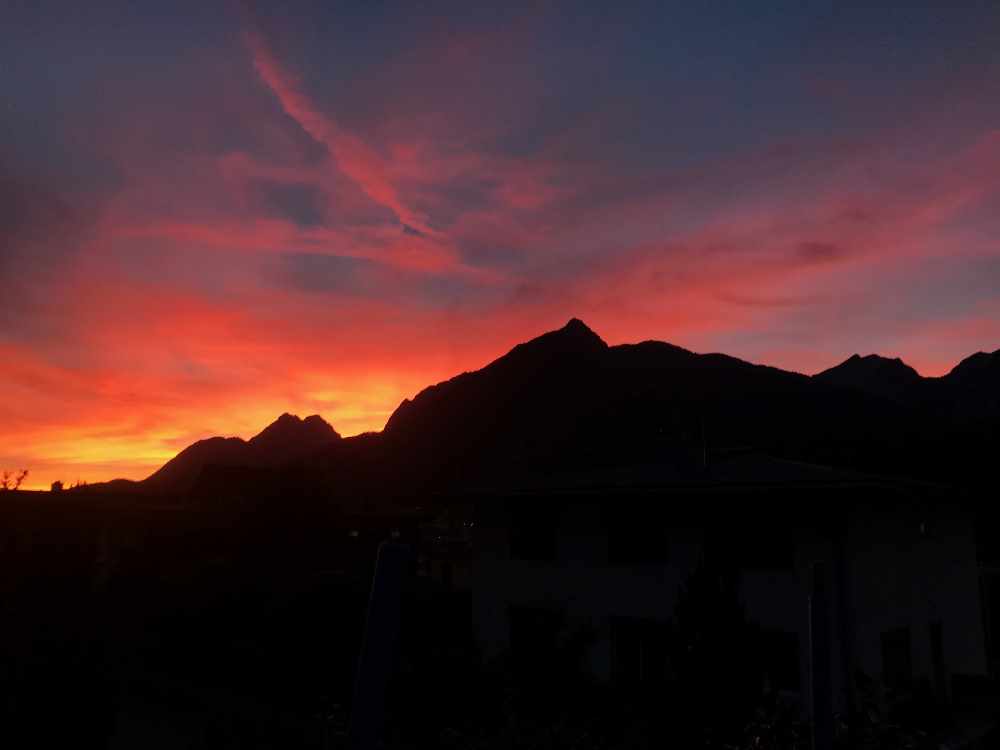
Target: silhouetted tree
57 486
12 481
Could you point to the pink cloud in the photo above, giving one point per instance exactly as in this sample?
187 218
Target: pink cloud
354 157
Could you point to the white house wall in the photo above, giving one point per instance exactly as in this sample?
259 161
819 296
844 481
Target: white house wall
903 578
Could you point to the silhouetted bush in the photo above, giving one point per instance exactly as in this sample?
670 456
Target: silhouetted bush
13 480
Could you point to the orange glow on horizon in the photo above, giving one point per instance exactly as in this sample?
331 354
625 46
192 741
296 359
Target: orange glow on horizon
95 453
109 444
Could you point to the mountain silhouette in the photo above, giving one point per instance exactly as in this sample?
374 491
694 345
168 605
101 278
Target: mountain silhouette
567 401
979 370
890 378
286 439
969 393
289 437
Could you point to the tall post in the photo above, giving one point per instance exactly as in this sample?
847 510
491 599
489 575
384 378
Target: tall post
845 624
378 649
820 660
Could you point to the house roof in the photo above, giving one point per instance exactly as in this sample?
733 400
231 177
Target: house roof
743 470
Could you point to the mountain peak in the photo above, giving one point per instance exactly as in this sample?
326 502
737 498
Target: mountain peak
290 428
575 333
574 339
872 373
871 359
564 352
575 325
284 440
870 362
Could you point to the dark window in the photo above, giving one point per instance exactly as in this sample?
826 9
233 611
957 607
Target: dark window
781 659
636 542
447 574
755 547
533 534
533 635
636 534
897 665
639 651
988 541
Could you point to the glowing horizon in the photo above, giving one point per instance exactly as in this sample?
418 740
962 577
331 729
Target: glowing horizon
99 457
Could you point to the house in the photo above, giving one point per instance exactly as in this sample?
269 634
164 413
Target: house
607 552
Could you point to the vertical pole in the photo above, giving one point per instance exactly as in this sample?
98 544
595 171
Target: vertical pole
845 625
819 652
378 649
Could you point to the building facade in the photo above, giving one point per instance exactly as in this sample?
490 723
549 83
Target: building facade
605 562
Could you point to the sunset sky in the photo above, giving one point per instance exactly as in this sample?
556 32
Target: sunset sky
212 212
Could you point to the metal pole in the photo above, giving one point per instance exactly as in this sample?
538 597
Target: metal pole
378 649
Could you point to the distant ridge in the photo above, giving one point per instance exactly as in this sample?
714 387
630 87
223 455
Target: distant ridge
982 368
891 378
969 392
286 439
566 400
